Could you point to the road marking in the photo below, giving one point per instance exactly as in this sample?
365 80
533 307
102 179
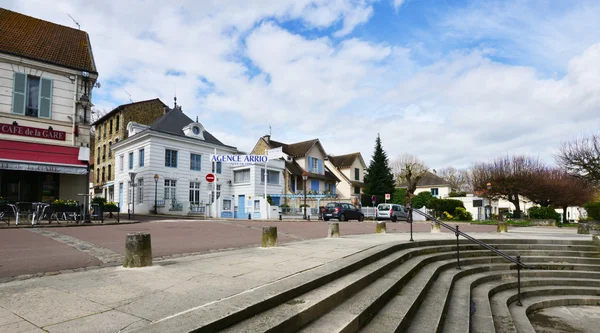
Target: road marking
101 253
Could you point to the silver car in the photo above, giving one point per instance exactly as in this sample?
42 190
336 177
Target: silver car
392 212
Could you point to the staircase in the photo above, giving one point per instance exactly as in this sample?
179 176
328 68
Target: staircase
413 287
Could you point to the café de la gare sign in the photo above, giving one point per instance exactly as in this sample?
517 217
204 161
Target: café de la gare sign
33 132
239 159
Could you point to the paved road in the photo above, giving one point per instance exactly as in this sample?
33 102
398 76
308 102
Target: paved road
30 251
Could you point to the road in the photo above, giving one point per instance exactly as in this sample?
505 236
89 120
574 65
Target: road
43 250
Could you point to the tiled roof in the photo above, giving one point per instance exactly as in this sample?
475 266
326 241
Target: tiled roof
294 168
343 161
429 179
48 42
297 149
126 106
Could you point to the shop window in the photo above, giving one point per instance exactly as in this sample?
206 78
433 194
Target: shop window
272 177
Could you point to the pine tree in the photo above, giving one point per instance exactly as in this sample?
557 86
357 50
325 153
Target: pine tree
379 179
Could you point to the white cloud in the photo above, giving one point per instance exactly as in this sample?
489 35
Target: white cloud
398 3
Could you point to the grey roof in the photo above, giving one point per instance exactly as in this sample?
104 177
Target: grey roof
429 179
175 120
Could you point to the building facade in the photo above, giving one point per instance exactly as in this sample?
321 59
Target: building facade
45 103
171 159
350 169
111 128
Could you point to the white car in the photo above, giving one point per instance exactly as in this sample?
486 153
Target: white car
391 212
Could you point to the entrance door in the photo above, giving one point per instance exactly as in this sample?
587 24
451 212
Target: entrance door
120 195
241 206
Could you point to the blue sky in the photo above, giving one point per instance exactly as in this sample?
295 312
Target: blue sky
452 82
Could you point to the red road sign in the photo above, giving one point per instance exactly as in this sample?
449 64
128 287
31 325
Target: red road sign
373 198
210 178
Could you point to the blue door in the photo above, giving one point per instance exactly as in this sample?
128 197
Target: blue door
120 195
241 206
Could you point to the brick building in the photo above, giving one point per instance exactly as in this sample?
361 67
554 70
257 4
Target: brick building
112 128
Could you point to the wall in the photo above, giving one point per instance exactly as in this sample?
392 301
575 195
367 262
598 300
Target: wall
349 172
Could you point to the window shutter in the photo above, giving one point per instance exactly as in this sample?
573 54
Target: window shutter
309 164
320 166
19 84
45 98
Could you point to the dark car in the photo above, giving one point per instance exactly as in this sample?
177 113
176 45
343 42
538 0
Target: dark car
342 212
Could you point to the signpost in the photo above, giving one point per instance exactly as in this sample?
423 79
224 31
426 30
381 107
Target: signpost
387 197
373 200
210 177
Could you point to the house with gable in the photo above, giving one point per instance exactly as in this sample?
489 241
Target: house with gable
430 182
350 169
302 156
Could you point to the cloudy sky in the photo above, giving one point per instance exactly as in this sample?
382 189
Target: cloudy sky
453 82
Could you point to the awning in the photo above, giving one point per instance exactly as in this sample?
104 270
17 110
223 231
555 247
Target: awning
15 155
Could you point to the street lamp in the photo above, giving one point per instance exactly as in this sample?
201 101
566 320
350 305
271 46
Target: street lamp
304 177
410 214
132 176
489 187
155 193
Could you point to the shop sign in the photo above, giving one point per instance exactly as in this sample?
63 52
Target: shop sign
239 159
43 168
33 132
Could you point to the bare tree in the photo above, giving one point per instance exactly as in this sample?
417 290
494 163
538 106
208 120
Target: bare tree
408 169
581 158
508 177
455 177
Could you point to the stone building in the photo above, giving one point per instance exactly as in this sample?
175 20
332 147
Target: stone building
47 74
109 130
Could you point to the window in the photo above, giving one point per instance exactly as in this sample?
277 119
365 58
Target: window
272 177
103 171
218 191
110 127
170 189
195 193
103 152
97 175
130 160
99 131
356 190
256 205
116 140
140 193
141 157
356 174
32 96
219 167
314 168
98 158
195 162
226 204
109 149
434 191
109 172
241 176
121 158
117 124
104 131
170 158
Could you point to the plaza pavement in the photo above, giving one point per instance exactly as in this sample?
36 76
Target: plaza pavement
115 299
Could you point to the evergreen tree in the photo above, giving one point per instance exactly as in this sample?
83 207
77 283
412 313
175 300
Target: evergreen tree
379 178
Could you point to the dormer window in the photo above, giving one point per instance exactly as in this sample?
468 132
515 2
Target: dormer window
194 130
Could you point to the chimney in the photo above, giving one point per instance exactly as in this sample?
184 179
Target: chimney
165 109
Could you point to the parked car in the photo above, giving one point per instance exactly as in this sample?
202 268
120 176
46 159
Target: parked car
342 212
391 212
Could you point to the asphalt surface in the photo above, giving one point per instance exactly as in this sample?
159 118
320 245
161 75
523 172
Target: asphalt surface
23 251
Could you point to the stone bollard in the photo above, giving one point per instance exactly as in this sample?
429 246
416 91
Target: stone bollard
334 230
435 227
502 227
269 236
138 250
596 240
381 228
583 228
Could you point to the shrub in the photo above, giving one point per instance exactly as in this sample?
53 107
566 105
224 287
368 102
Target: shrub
593 210
543 213
457 194
447 216
420 200
270 200
443 205
284 206
399 196
461 214
303 205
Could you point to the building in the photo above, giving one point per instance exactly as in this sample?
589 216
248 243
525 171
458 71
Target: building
47 74
110 128
171 159
303 156
350 169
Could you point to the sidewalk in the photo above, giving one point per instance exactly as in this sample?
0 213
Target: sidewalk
115 299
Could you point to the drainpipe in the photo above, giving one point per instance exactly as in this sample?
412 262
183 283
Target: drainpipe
75 93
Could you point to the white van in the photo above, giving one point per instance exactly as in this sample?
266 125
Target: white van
392 212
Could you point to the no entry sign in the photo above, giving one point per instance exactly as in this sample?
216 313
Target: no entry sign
210 178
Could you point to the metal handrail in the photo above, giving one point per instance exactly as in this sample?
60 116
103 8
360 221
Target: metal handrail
458 232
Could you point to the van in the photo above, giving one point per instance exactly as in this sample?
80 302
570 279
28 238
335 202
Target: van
391 212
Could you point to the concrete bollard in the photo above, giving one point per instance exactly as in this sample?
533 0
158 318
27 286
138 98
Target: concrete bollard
583 228
269 236
596 240
138 250
381 228
502 227
334 230
435 227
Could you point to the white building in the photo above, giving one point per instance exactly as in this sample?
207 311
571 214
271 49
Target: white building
171 159
47 73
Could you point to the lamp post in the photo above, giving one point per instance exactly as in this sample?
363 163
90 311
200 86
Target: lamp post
155 193
304 178
132 176
489 187
410 214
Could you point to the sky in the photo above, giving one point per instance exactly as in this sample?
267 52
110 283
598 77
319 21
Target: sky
451 82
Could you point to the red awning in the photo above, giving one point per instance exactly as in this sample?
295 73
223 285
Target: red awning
37 153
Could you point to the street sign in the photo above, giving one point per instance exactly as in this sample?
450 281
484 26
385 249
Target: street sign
210 177
373 199
274 154
388 196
